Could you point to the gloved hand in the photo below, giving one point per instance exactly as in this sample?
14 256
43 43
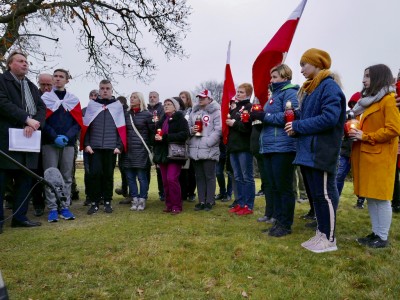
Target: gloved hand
257 115
61 141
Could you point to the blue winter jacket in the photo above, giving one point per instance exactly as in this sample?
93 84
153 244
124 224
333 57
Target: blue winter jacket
273 138
320 127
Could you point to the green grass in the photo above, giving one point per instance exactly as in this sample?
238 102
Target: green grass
194 255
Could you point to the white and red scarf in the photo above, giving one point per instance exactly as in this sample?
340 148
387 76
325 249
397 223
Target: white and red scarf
117 112
70 103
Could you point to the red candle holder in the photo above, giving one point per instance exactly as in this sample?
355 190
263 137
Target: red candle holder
245 116
199 124
256 107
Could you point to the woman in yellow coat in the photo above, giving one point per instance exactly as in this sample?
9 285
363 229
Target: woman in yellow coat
375 150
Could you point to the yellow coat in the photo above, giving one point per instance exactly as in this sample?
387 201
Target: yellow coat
373 160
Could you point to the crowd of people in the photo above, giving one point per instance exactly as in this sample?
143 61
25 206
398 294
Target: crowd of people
183 139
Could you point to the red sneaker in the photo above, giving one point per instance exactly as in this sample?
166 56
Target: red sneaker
244 211
235 209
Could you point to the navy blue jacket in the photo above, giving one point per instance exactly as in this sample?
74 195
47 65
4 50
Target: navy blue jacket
60 122
273 138
320 127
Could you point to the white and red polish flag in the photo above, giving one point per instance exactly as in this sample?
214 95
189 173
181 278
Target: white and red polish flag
228 92
70 103
117 112
274 53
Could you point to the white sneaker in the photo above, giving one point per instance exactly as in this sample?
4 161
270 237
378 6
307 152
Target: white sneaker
134 204
141 204
312 240
322 244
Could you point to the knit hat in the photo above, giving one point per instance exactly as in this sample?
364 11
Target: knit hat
316 57
174 102
354 99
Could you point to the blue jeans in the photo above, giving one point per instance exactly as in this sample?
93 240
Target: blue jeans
141 175
342 171
242 165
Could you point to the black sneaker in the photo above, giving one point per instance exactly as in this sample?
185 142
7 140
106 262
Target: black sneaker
364 240
377 243
38 212
108 208
218 197
279 231
192 198
396 209
260 193
199 206
308 216
226 199
271 229
94 208
208 206
312 225
233 204
359 204
87 202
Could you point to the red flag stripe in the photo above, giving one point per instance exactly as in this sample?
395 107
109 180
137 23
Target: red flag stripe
274 53
228 92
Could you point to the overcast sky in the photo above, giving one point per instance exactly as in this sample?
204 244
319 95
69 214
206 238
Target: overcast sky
356 33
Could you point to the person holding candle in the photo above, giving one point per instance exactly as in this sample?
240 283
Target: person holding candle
319 129
171 128
344 164
375 149
278 151
204 147
238 148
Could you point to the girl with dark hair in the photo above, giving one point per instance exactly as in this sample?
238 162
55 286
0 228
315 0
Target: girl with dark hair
375 149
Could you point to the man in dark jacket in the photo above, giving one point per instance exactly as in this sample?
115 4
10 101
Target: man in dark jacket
103 136
20 107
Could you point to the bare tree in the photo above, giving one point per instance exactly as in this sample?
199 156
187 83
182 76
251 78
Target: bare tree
213 86
112 32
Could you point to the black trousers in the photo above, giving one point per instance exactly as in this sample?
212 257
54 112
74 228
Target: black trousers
101 175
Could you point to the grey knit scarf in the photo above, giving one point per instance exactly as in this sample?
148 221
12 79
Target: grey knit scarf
366 102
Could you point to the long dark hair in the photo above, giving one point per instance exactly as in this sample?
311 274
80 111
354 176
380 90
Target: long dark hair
380 77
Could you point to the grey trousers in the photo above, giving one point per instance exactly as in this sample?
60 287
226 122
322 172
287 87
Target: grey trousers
62 159
380 212
205 179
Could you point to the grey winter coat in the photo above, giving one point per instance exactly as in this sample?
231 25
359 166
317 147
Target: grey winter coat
137 155
206 146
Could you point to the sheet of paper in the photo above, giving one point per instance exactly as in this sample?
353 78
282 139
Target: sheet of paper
18 142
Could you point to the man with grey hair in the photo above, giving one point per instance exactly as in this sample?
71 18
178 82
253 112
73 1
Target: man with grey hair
20 107
157 110
45 82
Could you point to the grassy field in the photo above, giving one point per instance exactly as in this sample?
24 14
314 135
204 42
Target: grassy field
194 255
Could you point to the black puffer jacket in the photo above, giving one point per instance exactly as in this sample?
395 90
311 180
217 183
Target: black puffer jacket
137 155
239 133
102 132
178 132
